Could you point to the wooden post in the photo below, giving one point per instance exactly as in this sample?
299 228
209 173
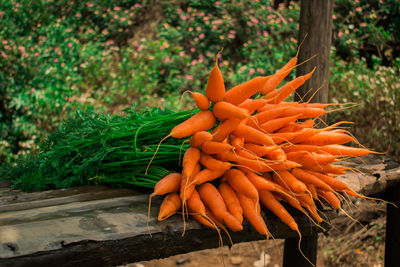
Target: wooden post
316 31
392 243
316 23
292 255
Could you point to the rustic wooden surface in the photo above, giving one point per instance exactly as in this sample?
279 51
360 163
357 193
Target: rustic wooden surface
105 227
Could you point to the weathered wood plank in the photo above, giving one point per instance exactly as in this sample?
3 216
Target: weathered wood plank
103 226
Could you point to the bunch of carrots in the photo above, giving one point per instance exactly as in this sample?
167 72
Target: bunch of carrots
249 148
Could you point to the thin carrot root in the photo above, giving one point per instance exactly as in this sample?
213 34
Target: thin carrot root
148 214
155 152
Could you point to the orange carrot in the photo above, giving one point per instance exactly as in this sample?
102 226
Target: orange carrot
253 135
199 138
237 142
307 177
328 138
201 100
214 164
306 158
260 183
275 124
341 150
307 112
265 116
252 215
215 89
282 93
225 110
168 184
270 202
259 150
190 159
231 201
171 204
331 198
287 180
211 147
240 93
253 104
202 121
224 129
206 175
239 181
332 182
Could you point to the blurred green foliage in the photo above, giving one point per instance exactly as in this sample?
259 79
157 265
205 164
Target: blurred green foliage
60 55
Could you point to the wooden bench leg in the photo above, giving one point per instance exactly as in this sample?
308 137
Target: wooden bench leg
292 255
392 243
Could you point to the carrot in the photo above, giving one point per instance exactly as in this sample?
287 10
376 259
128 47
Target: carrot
253 104
308 177
276 124
252 215
201 100
239 181
282 93
252 135
260 183
195 204
334 169
231 201
286 179
279 137
331 198
206 175
211 147
278 105
265 116
328 138
311 188
341 150
214 164
241 92
237 142
214 201
259 150
277 154
168 184
199 138
301 147
306 158
224 129
332 182
190 159
270 202
171 204
307 112
215 89
225 110
202 121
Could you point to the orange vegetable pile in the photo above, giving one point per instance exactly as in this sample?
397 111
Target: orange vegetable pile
250 148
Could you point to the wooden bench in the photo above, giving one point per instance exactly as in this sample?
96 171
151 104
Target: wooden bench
102 226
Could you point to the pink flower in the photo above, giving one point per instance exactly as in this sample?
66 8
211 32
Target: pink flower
36 54
116 8
68 30
69 45
59 53
32 89
55 60
62 64
179 11
334 17
109 42
181 54
162 72
269 8
78 15
139 49
201 36
194 62
340 34
290 19
214 27
90 4
218 3
137 5
254 20
252 71
249 23
189 77
265 33
192 49
363 24
135 44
